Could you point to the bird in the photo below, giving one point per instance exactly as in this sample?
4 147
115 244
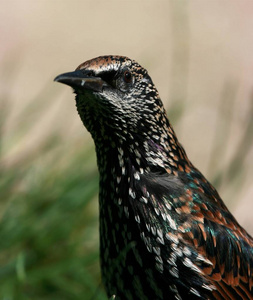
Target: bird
165 232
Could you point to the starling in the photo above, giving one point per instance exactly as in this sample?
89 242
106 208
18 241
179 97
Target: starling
165 233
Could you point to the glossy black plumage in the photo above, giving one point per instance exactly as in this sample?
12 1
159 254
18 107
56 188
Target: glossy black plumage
164 231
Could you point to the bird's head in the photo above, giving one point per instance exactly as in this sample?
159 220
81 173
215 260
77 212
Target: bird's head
115 98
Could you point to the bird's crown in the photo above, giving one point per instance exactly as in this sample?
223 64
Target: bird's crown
112 64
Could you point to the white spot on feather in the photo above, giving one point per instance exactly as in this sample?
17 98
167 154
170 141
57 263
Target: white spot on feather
174 272
137 219
157 250
186 251
195 292
160 236
123 170
172 238
144 200
187 262
157 211
137 176
172 222
132 193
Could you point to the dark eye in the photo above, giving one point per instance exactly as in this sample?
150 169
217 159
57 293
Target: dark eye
127 76
88 73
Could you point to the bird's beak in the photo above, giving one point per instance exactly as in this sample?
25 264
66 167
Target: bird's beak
78 79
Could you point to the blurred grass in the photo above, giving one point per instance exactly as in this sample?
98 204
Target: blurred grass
49 227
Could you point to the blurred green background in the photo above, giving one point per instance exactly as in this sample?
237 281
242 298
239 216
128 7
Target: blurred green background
198 53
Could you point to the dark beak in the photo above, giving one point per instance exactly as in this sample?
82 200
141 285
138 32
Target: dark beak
78 79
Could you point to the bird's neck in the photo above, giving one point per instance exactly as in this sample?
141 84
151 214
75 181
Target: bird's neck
150 153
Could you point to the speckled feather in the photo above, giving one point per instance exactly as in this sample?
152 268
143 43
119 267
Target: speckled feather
164 231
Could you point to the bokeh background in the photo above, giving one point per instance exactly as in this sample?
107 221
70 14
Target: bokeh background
198 53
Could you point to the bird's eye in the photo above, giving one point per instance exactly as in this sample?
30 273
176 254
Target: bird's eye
127 76
90 74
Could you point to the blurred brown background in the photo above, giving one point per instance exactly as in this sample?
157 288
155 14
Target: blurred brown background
198 53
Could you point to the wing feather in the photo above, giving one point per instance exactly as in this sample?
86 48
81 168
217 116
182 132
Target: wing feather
201 242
